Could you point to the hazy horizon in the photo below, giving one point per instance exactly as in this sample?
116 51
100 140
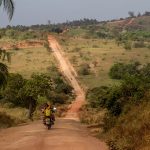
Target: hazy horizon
29 12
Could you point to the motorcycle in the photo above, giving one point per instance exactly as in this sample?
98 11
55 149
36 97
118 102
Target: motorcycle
48 123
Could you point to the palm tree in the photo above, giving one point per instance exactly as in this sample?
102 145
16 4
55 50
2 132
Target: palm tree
3 75
9 7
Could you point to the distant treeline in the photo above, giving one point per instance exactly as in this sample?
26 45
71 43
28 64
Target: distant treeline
52 27
60 26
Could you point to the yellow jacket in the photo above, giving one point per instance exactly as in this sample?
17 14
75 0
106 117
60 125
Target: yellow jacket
47 112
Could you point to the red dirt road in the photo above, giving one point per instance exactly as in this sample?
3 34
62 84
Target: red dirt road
66 134
70 74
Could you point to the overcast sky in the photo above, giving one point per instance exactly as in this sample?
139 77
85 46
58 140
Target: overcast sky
29 12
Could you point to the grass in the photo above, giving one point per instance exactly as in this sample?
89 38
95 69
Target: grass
91 116
12 116
106 53
76 32
20 113
132 130
30 60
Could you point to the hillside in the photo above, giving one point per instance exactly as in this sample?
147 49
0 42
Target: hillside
137 23
112 60
99 55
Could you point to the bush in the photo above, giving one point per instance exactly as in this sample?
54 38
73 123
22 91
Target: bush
92 116
109 122
84 69
14 47
120 70
76 49
126 124
97 96
6 121
115 98
10 94
131 131
148 46
46 45
139 44
127 45
37 89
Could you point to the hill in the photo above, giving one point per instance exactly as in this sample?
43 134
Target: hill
132 24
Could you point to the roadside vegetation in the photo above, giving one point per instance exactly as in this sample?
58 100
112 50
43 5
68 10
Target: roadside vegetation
126 106
112 61
31 79
25 96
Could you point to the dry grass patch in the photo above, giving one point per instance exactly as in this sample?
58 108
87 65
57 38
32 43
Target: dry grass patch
30 60
12 116
105 53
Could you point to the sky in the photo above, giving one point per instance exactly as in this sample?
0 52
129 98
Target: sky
29 12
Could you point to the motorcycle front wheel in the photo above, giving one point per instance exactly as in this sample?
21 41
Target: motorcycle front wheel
49 127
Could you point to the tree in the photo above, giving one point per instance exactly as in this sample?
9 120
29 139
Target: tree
3 75
11 93
147 13
49 22
9 7
131 14
38 85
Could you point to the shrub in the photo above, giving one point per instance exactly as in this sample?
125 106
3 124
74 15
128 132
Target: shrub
46 45
126 124
139 44
95 46
148 46
10 94
97 96
84 69
120 70
131 131
127 45
76 49
28 93
14 47
6 121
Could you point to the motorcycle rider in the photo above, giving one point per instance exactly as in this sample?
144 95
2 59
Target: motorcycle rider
48 113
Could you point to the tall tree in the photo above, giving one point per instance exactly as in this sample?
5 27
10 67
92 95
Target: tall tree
8 6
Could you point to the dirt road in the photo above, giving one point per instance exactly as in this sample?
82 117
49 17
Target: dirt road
66 134
69 72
